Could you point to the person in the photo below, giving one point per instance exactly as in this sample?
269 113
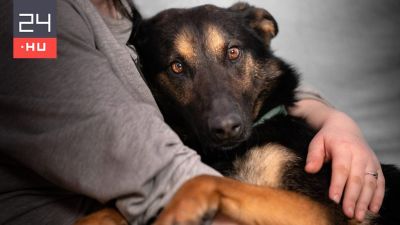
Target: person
84 129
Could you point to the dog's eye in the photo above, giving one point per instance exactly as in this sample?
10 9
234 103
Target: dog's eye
233 53
177 67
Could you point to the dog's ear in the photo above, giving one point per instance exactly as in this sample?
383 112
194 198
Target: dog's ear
138 36
258 19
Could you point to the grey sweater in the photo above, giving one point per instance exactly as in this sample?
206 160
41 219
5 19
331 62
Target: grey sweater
83 125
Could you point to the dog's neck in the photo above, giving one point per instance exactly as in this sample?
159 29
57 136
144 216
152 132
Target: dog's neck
278 110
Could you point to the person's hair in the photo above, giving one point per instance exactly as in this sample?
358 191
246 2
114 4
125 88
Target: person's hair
134 16
124 12
121 8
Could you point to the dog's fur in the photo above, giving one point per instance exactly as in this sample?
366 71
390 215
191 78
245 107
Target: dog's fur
214 75
213 86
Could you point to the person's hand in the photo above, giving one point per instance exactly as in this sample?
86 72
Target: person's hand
339 139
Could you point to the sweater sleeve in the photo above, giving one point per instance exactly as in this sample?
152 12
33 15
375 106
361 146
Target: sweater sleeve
305 91
76 123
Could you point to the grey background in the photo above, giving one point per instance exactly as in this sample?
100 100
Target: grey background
348 49
41 7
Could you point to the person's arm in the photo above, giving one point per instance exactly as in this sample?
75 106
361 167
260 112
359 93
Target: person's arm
339 139
73 121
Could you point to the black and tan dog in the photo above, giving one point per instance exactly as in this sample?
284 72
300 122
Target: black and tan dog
223 91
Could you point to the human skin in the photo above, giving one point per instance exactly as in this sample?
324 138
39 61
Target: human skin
340 140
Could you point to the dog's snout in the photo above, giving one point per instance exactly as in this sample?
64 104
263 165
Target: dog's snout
226 128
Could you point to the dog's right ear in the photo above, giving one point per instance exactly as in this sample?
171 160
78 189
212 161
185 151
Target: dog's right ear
138 36
258 19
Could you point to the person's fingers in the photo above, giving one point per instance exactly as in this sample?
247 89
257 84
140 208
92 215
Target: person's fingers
354 185
341 163
367 192
316 154
379 193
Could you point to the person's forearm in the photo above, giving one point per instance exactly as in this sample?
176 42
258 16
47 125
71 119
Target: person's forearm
313 111
90 125
311 106
316 113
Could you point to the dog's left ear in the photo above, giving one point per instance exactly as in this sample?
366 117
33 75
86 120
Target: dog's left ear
259 19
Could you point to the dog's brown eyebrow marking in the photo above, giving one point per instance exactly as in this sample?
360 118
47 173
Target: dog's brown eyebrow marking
185 45
249 68
215 41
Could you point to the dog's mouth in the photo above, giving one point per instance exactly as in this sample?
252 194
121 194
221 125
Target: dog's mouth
226 145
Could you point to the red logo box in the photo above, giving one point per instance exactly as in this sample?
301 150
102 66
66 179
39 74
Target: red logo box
35 48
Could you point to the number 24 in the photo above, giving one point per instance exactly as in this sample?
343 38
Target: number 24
31 22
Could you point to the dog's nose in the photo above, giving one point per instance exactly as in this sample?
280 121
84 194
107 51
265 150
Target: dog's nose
225 128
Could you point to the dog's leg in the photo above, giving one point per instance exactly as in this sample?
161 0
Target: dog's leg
203 197
106 216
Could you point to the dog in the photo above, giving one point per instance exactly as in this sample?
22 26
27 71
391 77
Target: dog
224 92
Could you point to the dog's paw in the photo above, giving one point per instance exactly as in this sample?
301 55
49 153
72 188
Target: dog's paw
186 214
196 202
103 217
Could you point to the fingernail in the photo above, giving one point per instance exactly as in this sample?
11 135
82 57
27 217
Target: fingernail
308 166
350 212
361 215
336 198
375 209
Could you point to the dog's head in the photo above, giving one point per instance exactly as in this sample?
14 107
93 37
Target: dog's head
213 68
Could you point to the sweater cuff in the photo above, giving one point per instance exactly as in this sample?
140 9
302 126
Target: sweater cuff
144 209
304 92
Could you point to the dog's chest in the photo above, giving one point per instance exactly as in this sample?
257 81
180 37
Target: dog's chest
265 165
